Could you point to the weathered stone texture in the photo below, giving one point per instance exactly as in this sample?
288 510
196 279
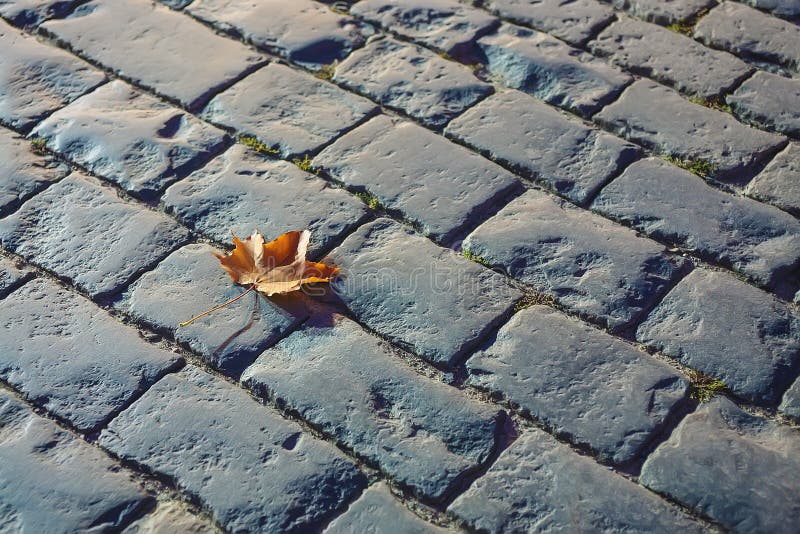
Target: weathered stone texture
770 101
723 327
421 432
82 231
27 13
130 138
170 517
51 481
575 22
663 11
781 8
12 275
439 185
791 401
779 182
250 467
291 112
731 466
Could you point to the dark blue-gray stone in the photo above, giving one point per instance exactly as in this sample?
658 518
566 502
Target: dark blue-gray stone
781 8
28 13
591 265
686 130
81 230
12 275
512 128
791 401
736 468
411 79
52 481
290 111
550 70
241 190
156 47
769 100
71 357
664 12
344 381
253 470
779 182
581 382
714 322
675 206
540 485
424 298
130 138
574 22
38 78
438 185
191 280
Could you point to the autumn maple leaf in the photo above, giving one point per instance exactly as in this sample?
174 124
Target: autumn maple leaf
279 266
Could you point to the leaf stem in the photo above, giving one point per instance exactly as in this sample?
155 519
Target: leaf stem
215 308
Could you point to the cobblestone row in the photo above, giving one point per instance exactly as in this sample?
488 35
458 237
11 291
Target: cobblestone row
187 427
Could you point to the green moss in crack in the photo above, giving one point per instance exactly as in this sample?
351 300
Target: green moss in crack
474 257
701 168
715 102
326 72
262 148
534 299
303 164
704 388
39 146
369 200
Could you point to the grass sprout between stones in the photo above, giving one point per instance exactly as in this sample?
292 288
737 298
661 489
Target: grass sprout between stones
369 200
474 257
534 299
704 387
701 168
716 103
303 164
258 146
326 72
39 146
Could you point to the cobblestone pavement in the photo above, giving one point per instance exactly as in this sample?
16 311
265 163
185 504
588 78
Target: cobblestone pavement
570 254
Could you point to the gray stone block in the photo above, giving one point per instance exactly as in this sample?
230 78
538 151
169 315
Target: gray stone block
445 25
28 13
305 32
377 511
663 11
191 280
420 432
676 207
750 33
22 172
550 70
82 231
728 329
51 481
770 101
731 466
574 22
781 8
581 382
540 485
130 138
241 190
438 185
71 357
411 79
591 265
779 182
290 111
38 78
512 128
424 298
688 131
791 401
170 517
158 48
671 58
12 275
252 469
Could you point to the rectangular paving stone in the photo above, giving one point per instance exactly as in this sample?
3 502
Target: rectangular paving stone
23 173
574 22
378 511
160 49
589 264
445 25
663 11
731 466
781 8
28 13
779 182
81 230
12 275
290 111
669 57
437 184
411 79
424 298
423 433
688 131
513 129
252 469
750 33
51 481
72 358
550 70
189 281
585 384
714 322
302 31
770 101
38 78
677 207
241 189
130 138
540 485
